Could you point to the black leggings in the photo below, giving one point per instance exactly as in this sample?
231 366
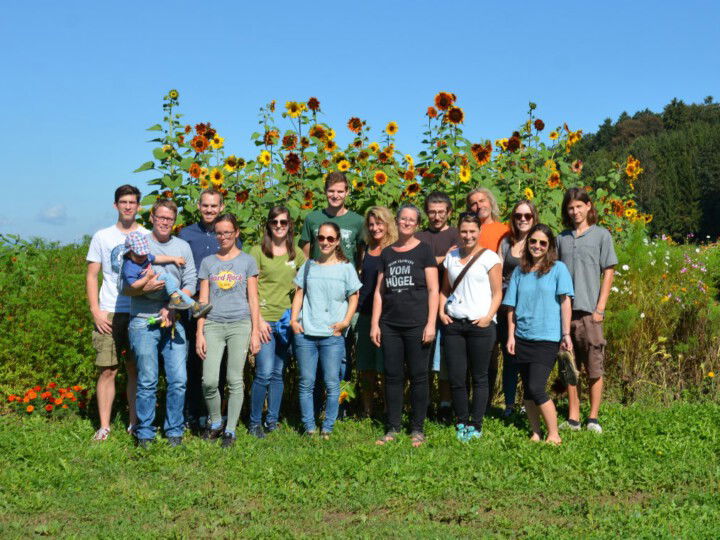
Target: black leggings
468 344
402 347
535 361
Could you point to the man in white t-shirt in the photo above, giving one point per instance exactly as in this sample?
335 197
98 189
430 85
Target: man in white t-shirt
111 310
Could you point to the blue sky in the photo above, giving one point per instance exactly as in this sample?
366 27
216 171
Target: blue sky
82 81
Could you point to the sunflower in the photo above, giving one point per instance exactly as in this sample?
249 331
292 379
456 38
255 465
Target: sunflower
630 203
444 164
554 135
188 129
289 141
373 147
167 194
231 164
455 115
553 180
217 177
502 143
331 134
577 166
181 139
330 145
217 142
465 174
338 157
294 109
204 182
201 128
380 178
357 143
362 155
632 168
199 144
313 104
173 94
317 131
242 196
409 174
307 205
391 128
271 106
304 142
648 218
359 186
539 125
630 212
444 100
514 143
325 163
195 170
413 189
308 195
383 157
265 158
355 124
409 160
210 134
529 195
482 153
550 165
431 112
270 137
292 163
343 165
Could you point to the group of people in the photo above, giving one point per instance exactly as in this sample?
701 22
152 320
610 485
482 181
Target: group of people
416 304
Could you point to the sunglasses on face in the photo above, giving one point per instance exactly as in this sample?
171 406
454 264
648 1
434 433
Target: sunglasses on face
541 243
322 238
279 222
526 217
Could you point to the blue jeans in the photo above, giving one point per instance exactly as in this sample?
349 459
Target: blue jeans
269 371
172 285
147 341
330 351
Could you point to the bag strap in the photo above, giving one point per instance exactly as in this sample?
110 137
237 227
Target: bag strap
465 270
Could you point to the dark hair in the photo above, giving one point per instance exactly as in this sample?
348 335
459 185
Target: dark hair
127 189
438 197
408 206
228 217
577 194
514 235
336 178
469 217
211 191
266 245
339 253
526 262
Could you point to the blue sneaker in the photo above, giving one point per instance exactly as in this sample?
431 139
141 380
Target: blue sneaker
461 431
472 433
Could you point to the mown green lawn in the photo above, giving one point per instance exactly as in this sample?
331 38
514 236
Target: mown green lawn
655 472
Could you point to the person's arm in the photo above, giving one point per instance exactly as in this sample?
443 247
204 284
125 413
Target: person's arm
375 335
151 284
511 330
565 317
188 274
431 280
495 275
607 280
167 259
306 238
254 302
339 327
200 343
442 301
296 307
100 317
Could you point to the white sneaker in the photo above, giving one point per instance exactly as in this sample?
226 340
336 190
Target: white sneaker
567 425
101 434
594 427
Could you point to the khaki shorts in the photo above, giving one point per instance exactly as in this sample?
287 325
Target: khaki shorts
112 349
589 343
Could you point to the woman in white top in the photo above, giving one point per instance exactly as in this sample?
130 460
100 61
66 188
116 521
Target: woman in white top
468 304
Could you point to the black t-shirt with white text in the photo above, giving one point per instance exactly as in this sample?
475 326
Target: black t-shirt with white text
405 296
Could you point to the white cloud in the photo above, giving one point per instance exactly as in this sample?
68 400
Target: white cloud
54 215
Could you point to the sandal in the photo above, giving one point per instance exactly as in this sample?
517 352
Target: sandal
417 438
325 435
389 437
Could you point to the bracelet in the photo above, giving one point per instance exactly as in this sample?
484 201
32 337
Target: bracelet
600 312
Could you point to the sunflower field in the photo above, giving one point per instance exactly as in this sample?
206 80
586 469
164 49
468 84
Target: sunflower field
295 151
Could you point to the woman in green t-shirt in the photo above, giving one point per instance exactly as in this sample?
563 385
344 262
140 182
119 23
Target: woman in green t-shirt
278 260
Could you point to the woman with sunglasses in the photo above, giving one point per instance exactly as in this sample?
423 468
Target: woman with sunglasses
403 322
228 279
379 231
469 299
539 312
325 301
278 259
523 217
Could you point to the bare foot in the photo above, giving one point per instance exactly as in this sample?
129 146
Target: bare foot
555 441
535 437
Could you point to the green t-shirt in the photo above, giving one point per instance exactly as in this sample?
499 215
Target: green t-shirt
350 224
275 281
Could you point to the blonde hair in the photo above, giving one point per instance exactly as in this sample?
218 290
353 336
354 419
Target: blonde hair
494 208
383 214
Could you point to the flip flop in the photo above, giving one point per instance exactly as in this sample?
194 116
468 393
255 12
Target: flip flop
389 437
417 438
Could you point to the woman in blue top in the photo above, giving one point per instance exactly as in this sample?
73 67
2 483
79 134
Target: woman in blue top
325 301
538 298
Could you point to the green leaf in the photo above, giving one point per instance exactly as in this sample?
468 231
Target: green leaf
148 199
145 166
156 127
159 153
186 162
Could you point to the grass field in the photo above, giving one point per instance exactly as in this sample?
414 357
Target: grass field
655 472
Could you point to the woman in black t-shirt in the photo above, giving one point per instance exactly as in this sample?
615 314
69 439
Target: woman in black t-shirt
403 322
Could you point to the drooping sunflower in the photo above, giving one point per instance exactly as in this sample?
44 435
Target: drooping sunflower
199 144
380 178
292 163
355 124
313 104
465 174
217 142
317 131
554 135
265 158
242 196
271 105
195 170
289 141
529 195
482 152
343 165
217 177
270 137
413 189
373 147
553 180
444 100
431 112
455 115
539 125
391 128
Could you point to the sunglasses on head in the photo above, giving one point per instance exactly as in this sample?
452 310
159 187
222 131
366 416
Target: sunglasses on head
279 222
520 215
323 238
541 243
